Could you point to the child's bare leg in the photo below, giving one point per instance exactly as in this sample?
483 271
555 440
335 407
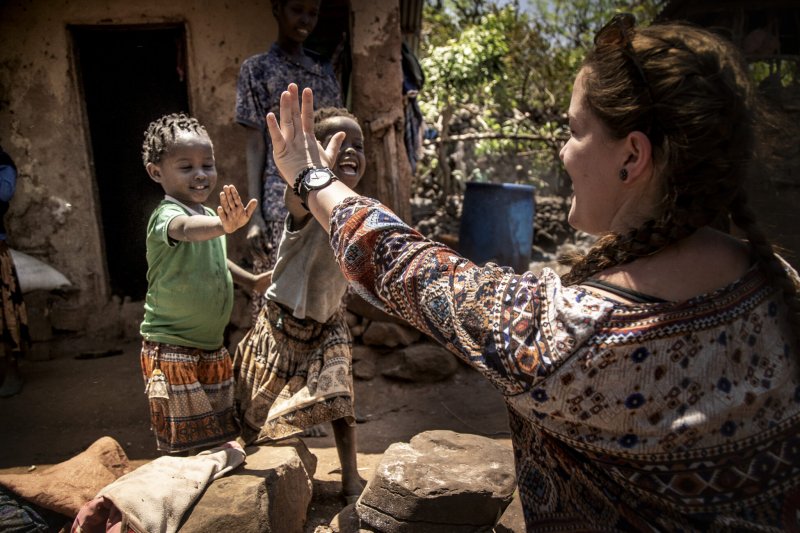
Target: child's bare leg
345 436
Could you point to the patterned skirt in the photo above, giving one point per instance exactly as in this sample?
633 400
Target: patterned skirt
14 316
198 410
292 374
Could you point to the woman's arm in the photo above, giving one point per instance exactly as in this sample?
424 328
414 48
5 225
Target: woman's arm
448 297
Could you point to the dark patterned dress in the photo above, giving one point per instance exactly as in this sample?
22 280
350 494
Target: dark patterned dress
262 79
672 416
13 314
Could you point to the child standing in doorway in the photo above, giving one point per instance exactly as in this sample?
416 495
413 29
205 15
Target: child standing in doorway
293 369
189 297
262 79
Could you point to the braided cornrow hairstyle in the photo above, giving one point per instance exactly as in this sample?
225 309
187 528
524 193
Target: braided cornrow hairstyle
161 134
324 113
688 90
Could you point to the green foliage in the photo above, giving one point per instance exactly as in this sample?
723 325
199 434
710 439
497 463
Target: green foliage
470 63
507 74
783 73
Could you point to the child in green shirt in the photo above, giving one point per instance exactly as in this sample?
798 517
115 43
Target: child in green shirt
190 289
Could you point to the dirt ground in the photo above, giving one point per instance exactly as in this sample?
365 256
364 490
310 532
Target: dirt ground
68 403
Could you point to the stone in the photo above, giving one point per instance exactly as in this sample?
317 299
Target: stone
37 304
389 334
270 492
346 521
359 306
439 482
365 362
423 362
513 519
352 319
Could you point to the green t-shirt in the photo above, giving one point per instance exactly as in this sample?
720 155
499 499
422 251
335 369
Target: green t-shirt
189 287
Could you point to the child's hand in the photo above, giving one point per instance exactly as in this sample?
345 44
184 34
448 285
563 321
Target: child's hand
262 282
232 213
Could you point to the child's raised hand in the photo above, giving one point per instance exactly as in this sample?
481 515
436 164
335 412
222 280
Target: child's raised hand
232 213
262 282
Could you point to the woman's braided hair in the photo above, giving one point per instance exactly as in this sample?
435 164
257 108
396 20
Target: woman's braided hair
161 134
689 91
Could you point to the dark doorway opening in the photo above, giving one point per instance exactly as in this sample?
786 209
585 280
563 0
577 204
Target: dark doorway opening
331 37
131 75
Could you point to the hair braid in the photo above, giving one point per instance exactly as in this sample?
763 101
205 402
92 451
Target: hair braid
161 134
764 251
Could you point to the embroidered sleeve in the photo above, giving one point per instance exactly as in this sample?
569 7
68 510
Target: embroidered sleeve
488 316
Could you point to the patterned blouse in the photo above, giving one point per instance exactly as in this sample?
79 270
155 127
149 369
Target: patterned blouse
678 416
262 79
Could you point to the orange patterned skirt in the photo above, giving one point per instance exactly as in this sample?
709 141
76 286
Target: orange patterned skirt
197 411
14 316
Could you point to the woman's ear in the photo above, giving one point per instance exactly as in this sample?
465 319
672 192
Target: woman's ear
640 155
154 172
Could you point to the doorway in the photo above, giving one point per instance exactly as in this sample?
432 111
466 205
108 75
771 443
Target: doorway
130 76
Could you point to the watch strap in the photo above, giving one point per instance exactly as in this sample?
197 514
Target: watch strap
303 189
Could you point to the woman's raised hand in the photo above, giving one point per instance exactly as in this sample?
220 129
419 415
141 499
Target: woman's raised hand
294 146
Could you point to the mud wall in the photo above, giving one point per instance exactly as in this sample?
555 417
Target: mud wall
55 214
377 98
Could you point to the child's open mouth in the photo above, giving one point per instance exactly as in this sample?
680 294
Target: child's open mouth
348 168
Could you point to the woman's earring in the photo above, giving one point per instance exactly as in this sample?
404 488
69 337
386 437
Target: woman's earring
623 174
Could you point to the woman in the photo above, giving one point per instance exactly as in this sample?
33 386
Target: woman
654 386
261 80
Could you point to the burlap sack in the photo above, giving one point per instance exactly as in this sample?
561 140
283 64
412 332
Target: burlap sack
66 486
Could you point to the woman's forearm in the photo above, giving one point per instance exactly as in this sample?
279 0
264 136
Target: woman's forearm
323 201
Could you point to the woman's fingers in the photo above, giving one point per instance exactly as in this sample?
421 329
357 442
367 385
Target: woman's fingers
293 142
278 142
307 115
334 145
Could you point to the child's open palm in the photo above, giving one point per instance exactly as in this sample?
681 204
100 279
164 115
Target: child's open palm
232 213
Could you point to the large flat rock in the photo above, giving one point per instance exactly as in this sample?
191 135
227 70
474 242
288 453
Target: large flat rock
440 481
269 493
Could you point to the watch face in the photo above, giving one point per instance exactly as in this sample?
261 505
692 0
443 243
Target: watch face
316 178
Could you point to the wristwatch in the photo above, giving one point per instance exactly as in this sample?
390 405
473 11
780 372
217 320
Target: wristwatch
312 179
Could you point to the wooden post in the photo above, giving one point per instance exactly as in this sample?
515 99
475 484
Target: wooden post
377 101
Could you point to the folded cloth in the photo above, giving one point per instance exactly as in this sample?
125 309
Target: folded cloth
66 486
155 497
21 516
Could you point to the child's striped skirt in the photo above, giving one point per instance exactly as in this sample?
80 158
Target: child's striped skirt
292 374
198 410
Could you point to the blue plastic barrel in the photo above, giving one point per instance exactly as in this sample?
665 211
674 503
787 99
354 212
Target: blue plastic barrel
497 224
